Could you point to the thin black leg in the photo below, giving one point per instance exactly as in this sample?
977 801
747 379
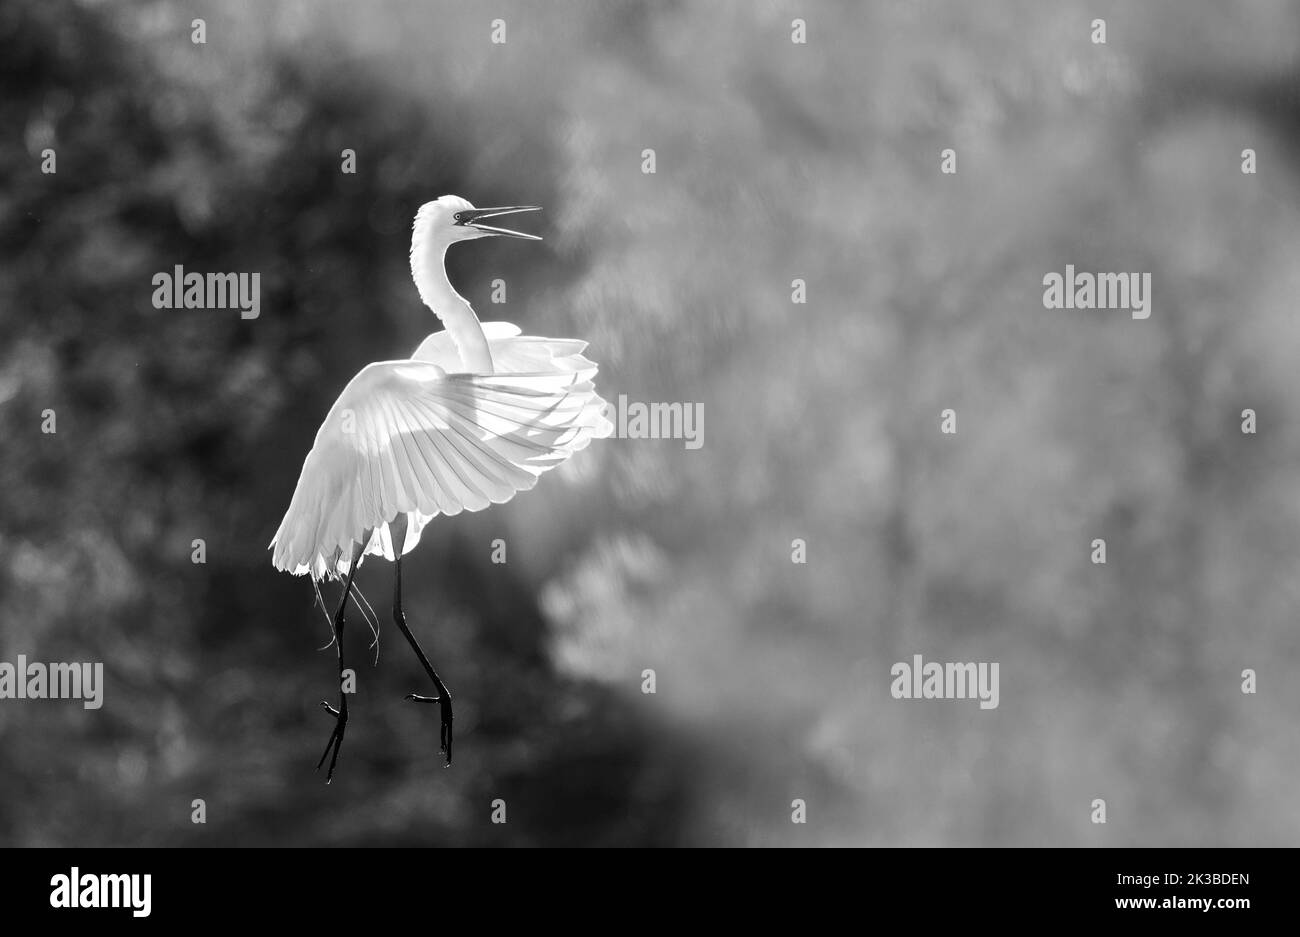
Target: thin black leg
341 714
443 699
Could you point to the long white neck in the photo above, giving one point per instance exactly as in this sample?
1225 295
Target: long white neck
428 267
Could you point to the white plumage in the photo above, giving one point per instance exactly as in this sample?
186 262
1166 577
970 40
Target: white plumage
475 415
425 436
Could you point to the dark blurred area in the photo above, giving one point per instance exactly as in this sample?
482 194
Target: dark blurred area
775 161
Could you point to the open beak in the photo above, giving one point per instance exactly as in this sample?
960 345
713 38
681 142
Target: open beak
474 217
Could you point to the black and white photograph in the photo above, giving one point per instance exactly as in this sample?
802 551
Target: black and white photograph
612 423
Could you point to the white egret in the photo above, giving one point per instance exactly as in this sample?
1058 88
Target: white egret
475 415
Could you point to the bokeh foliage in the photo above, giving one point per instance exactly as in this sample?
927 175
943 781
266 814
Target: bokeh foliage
775 161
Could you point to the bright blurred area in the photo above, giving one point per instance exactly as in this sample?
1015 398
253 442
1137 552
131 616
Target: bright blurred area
775 161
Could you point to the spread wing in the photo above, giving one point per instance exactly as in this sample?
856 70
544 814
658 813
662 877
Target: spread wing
407 437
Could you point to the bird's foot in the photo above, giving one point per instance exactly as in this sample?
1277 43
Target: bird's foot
336 737
444 707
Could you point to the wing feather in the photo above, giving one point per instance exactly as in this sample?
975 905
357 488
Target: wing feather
406 437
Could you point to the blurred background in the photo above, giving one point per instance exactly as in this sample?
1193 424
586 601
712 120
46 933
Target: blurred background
775 161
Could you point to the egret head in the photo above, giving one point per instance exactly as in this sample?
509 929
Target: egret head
451 218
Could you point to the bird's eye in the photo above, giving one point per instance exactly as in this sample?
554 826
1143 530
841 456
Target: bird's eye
460 216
